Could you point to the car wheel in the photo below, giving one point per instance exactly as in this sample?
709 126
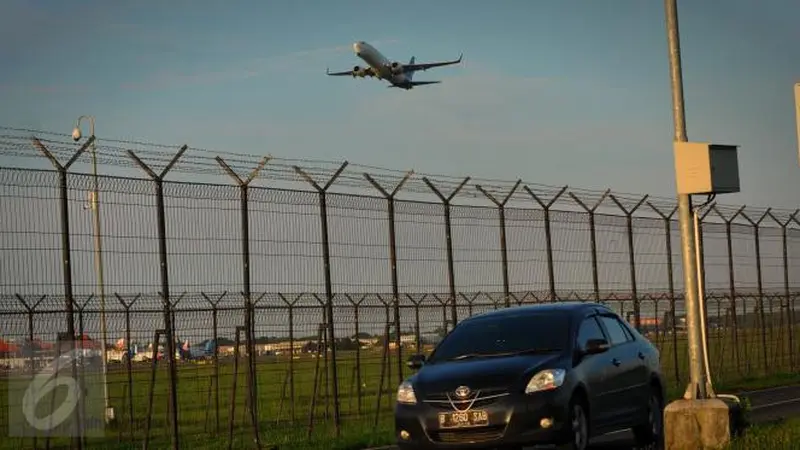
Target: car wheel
577 433
651 431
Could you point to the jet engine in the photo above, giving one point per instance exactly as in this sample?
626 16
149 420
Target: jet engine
396 68
359 72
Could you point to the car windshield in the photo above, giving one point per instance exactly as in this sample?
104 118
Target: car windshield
505 335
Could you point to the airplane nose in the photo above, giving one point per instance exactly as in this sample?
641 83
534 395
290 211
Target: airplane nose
357 47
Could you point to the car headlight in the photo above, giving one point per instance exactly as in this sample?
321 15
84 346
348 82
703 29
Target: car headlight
405 394
546 380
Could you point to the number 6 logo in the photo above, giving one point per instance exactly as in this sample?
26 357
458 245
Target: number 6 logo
41 385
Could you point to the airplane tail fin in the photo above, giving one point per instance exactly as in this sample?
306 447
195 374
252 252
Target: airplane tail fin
410 75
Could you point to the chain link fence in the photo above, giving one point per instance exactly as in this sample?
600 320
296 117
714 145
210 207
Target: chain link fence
279 302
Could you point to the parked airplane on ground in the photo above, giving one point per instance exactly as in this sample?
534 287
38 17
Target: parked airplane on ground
398 74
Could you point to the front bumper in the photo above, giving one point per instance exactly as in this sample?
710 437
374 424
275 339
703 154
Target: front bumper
513 420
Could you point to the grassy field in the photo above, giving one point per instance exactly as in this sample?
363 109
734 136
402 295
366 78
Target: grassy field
284 418
784 435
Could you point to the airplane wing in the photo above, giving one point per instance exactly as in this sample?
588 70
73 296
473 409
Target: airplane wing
425 66
411 84
366 72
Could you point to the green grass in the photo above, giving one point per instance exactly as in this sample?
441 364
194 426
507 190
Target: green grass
783 435
284 421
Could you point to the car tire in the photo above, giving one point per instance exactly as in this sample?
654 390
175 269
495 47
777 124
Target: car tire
577 429
652 431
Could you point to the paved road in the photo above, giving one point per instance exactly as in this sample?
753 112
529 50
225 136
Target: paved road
774 403
766 405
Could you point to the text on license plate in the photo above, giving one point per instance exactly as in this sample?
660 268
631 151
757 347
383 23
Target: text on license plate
472 418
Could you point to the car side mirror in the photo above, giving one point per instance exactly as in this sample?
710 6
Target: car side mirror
415 362
595 346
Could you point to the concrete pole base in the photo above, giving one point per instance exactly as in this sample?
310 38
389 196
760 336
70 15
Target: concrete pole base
697 424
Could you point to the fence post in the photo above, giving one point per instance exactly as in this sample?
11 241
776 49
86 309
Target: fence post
290 305
417 334
501 210
443 304
551 277
451 276
789 298
249 320
667 218
357 331
631 254
732 283
390 197
128 367
326 257
592 237
162 250
756 224
469 301
214 313
81 310
786 292
31 310
66 255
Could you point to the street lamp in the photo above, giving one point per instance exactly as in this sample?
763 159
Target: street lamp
94 199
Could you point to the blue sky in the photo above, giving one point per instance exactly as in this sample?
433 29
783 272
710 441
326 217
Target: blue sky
554 92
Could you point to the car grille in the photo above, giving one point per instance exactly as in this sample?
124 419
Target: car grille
480 399
484 434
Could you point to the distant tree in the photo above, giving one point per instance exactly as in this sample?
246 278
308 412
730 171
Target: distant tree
310 347
225 341
347 344
267 339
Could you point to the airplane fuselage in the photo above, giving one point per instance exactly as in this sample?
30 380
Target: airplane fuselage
381 65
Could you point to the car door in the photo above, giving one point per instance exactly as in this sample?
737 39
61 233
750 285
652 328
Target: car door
627 385
639 348
599 374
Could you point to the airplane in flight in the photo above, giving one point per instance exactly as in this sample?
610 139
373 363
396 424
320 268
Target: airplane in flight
398 74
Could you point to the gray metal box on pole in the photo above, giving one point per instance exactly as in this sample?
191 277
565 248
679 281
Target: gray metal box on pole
703 168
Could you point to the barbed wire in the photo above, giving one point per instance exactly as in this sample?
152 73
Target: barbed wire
18 143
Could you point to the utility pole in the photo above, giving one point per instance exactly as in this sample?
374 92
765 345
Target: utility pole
695 174
94 205
797 116
696 387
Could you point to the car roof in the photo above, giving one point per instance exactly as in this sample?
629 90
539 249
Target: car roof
574 308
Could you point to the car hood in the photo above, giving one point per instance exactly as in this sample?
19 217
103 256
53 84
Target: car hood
479 373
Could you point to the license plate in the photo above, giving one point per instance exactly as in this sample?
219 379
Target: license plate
461 419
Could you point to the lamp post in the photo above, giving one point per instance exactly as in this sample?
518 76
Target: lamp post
98 258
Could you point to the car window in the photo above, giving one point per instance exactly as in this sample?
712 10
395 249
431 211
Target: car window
500 335
615 330
627 327
589 329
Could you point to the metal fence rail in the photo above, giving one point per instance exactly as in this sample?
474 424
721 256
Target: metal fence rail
299 304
